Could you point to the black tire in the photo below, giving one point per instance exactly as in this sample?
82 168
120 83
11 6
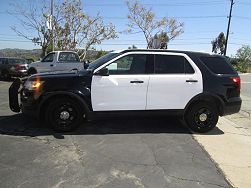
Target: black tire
202 117
32 71
64 114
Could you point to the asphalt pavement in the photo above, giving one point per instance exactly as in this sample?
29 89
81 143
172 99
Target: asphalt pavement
145 152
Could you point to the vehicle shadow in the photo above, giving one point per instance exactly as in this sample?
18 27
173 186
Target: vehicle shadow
7 79
19 125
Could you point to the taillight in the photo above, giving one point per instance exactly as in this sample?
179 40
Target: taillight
237 81
17 67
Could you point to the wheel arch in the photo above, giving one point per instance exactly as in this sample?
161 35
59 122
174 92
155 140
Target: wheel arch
209 98
33 70
60 94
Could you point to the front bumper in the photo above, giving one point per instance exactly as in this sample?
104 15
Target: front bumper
18 102
13 95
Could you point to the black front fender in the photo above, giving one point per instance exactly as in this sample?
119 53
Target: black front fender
76 95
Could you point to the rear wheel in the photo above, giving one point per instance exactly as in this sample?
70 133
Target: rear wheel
64 114
202 117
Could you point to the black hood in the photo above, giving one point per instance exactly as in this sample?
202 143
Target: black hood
60 74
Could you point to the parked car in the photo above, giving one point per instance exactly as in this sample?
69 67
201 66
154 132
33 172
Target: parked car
57 61
198 87
10 67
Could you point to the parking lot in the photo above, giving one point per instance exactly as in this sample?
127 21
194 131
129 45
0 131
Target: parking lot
148 152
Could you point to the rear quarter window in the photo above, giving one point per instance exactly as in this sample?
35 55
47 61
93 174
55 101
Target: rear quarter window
218 65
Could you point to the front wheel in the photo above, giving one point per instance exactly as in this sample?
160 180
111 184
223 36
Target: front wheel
64 114
202 117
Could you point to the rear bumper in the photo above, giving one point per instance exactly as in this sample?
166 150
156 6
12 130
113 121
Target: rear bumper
233 105
19 73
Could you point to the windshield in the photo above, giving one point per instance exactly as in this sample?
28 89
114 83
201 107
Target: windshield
100 61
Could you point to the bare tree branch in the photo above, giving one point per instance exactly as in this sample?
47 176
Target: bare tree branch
144 19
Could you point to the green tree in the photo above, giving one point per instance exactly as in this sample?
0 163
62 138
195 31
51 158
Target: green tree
144 20
243 57
100 54
218 44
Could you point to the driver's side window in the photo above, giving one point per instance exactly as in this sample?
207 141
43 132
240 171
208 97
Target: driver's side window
130 64
49 58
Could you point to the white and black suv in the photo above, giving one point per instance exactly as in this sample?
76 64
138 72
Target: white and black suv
197 86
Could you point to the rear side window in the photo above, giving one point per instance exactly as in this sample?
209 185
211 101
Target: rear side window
4 61
218 65
172 64
68 57
17 61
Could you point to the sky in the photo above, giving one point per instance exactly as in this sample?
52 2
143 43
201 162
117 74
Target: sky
203 21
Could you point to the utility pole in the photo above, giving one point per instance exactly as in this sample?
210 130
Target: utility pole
52 25
228 26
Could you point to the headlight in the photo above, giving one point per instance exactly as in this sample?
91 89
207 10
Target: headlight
33 85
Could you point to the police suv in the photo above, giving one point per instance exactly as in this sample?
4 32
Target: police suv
196 86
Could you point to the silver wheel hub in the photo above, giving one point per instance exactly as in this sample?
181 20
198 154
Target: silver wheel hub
203 117
64 115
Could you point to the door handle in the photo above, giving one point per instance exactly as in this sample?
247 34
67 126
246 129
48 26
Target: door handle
136 82
191 80
51 65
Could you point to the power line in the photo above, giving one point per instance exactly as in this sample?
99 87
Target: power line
242 17
122 44
179 17
10 40
205 3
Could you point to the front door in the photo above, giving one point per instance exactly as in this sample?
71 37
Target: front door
47 63
124 88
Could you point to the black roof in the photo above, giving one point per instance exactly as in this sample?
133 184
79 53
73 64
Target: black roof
164 50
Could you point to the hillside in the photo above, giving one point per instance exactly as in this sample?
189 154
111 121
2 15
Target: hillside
35 53
21 53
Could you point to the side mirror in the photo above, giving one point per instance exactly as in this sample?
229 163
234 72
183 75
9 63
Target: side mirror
102 72
86 64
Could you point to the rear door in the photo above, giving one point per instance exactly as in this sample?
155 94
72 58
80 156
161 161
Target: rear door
176 80
126 86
